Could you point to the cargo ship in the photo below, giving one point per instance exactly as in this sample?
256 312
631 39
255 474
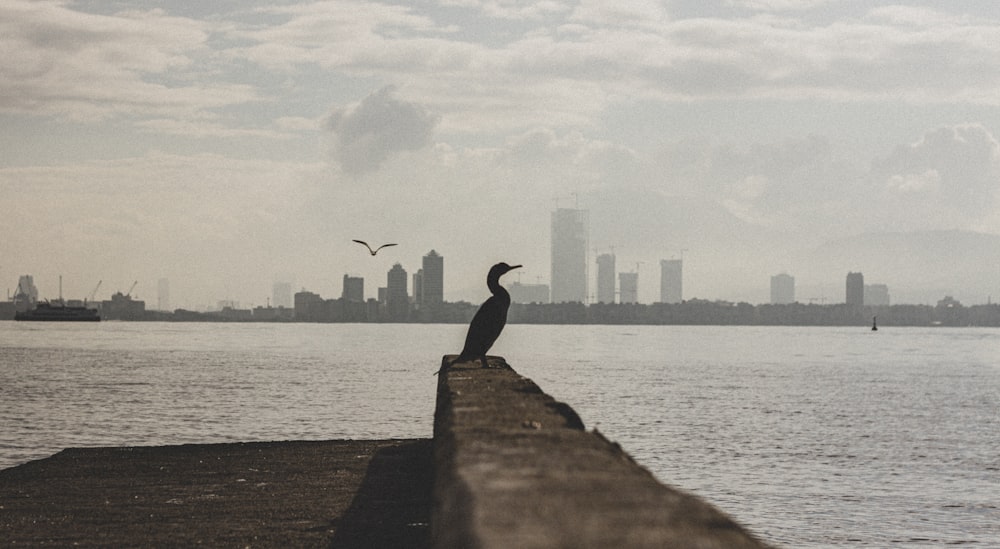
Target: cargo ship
59 313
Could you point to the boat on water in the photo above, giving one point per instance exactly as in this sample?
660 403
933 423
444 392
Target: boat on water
59 313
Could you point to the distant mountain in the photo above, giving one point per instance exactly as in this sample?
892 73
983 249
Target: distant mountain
918 267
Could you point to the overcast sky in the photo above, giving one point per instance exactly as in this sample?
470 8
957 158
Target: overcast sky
226 144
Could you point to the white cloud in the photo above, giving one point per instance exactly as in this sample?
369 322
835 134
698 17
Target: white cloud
349 35
518 10
376 128
562 70
927 181
200 129
948 179
779 5
505 108
633 14
62 62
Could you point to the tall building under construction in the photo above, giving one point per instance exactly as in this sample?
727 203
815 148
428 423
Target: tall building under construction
569 255
671 280
606 278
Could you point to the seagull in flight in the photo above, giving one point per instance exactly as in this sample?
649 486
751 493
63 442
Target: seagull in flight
370 250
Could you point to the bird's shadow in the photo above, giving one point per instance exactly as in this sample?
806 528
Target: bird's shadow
393 505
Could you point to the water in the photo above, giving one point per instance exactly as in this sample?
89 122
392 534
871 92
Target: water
811 437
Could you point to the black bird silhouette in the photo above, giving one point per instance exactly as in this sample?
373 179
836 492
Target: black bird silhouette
370 250
490 319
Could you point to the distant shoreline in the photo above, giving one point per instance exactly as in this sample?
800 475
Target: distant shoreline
695 312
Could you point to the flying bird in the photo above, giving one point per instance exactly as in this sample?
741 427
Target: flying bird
370 250
490 319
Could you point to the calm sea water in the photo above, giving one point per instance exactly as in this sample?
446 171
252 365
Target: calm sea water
811 437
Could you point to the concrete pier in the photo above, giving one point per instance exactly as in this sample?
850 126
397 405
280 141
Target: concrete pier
345 494
516 468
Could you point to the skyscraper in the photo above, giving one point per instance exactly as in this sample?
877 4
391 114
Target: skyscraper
876 295
855 289
671 280
606 278
397 300
281 295
354 289
163 294
418 287
782 289
569 255
528 293
433 279
628 284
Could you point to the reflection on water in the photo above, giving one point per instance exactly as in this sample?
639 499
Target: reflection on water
812 437
151 384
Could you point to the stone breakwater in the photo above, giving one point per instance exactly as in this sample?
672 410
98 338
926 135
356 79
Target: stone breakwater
516 468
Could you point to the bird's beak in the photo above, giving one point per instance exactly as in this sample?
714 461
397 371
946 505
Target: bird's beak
515 267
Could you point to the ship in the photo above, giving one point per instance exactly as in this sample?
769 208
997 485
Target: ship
59 313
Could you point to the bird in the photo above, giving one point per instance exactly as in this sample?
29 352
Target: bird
370 250
489 320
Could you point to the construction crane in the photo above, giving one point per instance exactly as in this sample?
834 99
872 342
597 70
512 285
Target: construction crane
94 293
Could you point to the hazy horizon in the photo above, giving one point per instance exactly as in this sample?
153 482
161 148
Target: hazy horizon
228 146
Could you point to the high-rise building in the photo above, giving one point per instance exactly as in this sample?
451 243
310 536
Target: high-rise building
433 279
628 284
855 289
671 280
528 293
782 289
418 286
309 307
163 294
606 278
569 255
354 289
26 294
397 299
876 295
281 295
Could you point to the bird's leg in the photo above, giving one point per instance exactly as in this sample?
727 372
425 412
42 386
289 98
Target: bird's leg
483 360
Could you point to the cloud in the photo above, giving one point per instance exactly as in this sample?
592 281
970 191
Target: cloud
637 13
563 68
950 178
789 184
377 128
947 179
778 5
70 64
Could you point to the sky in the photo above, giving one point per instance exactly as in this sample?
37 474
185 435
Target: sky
226 145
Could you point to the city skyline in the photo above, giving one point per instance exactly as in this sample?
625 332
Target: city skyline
225 146
781 288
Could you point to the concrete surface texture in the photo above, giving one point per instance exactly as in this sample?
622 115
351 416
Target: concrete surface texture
344 494
516 468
